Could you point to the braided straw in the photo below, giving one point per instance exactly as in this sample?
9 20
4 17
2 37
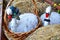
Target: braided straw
19 36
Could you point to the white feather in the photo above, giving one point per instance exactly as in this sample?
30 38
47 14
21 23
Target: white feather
13 24
45 23
9 11
55 18
48 9
27 22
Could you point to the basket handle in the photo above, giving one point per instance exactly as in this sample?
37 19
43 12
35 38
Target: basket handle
9 3
5 16
35 7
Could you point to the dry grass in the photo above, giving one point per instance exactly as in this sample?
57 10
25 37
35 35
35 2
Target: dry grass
28 6
50 32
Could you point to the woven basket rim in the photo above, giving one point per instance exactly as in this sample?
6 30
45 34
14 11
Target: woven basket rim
6 22
39 23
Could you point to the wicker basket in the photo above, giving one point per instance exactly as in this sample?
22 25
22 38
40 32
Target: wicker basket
20 36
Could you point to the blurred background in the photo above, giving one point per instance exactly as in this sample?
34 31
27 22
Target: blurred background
0 16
